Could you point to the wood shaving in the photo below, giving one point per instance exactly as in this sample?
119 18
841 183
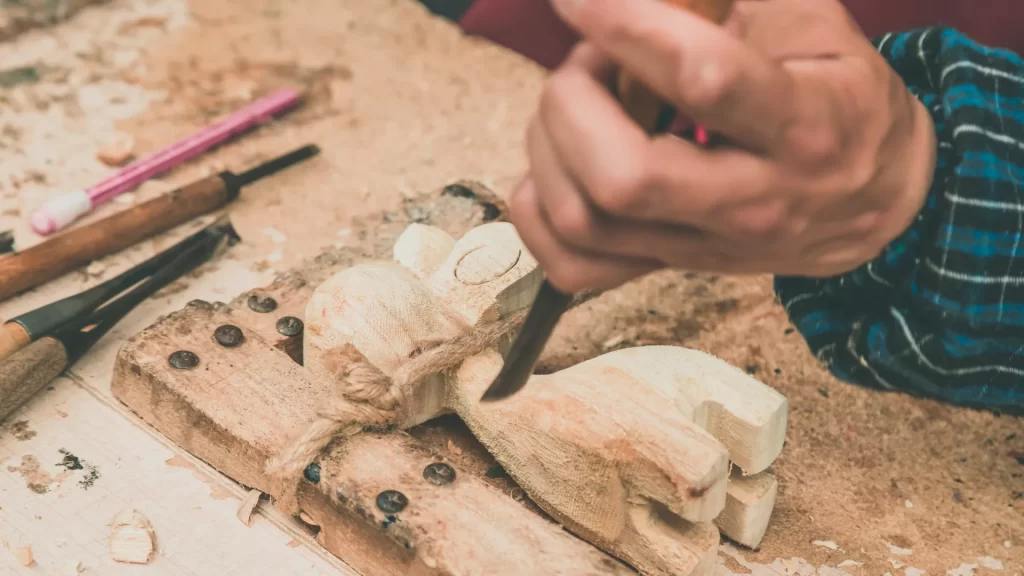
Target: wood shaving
72 568
899 551
132 538
454 449
826 544
24 556
117 152
248 506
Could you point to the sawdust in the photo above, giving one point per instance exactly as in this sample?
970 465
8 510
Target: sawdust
21 431
38 480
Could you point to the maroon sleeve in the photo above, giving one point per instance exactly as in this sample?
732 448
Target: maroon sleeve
532 28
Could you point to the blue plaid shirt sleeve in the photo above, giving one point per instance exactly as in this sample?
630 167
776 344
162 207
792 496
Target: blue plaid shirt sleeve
940 313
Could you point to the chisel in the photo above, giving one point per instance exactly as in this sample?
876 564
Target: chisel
654 115
21 330
28 370
79 246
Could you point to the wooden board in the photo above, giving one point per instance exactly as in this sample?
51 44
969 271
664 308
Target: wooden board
236 418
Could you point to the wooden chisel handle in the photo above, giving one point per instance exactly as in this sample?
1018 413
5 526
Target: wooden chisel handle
646 107
79 246
26 372
12 338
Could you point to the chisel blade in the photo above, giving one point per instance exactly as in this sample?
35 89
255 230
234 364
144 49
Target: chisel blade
540 322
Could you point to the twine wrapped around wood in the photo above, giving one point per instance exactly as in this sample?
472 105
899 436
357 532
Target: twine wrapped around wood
366 398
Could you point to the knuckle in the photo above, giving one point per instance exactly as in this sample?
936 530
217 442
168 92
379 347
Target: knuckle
703 83
620 192
573 222
815 144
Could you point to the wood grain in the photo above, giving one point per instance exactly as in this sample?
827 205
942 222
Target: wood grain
79 246
27 371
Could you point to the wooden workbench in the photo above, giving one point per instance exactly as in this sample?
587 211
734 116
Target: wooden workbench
401 103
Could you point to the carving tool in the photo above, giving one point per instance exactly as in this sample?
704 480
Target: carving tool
65 209
77 247
654 115
25 372
6 241
22 330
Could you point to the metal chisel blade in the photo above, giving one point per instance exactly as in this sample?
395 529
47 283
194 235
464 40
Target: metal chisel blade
540 322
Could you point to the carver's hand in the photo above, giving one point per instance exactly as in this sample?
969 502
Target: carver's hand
829 157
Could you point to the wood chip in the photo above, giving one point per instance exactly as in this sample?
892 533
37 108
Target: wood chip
248 506
826 544
24 556
117 152
454 449
132 539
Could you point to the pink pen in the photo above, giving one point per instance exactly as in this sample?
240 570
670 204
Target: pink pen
65 209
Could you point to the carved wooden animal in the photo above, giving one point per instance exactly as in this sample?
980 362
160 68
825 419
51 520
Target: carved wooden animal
238 406
629 450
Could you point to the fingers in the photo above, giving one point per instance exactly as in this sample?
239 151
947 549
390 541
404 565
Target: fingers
574 222
706 72
567 269
582 140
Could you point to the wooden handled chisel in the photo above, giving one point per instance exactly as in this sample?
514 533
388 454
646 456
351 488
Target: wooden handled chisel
654 115
38 362
79 246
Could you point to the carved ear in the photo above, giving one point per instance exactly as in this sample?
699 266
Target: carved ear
422 249
488 274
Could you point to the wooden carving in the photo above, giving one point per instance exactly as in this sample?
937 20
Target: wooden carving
630 450
646 496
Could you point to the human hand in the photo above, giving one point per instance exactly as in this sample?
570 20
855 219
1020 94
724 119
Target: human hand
827 159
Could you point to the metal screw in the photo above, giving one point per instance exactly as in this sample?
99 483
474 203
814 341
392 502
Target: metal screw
289 326
439 473
262 304
312 473
183 360
228 336
392 501
491 211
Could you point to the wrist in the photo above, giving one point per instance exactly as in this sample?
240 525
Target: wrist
912 169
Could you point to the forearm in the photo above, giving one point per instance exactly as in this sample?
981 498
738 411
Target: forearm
940 312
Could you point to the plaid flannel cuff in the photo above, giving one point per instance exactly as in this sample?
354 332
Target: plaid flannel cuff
940 313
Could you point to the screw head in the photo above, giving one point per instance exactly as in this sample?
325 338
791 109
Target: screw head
228 336
392 501
289 326
439 473
312 473
491 212
183 360
262 303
